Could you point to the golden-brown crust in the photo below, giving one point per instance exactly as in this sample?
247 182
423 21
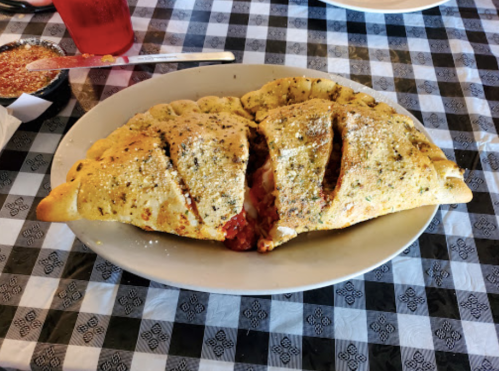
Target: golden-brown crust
387 165
383 170
180 167
60 205
292 90
136 181
137 123
185 106
212 104
162 112
166 112
210 153
276 94
300 140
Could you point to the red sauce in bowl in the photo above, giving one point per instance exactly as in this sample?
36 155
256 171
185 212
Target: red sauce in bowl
15 79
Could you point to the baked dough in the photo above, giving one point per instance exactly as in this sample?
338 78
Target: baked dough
287 91
184 176
387 165
300 140
332 158
166 112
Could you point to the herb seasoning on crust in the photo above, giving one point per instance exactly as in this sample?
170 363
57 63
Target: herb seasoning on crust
323 157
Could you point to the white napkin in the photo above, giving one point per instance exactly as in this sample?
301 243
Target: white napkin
24 109
28 107
8 125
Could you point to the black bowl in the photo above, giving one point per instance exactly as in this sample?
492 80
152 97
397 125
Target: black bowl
16 6
57 91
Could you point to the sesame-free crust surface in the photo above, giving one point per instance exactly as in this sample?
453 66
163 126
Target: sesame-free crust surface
172 260
181 167
183 176
386 166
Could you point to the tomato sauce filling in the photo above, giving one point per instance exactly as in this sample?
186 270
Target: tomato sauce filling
262 197
241 232
15 79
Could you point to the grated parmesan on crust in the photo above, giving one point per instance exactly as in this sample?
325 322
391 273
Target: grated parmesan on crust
330 157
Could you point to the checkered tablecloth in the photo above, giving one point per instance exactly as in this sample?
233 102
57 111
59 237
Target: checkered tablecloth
433 307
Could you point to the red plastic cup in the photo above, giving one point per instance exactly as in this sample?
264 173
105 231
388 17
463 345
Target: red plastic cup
97 26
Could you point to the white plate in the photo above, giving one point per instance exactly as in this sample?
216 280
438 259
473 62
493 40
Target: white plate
312 260
386 6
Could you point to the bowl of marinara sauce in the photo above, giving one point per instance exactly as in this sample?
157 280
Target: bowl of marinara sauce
15 79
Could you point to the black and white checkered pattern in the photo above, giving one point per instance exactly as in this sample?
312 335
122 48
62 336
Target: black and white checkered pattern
433 307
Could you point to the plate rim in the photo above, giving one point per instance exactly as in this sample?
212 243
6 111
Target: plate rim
383 10
236 291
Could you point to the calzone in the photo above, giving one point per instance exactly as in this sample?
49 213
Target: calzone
297 155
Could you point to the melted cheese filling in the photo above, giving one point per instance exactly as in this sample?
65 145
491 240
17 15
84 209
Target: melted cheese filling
248 204
267 177
281 232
